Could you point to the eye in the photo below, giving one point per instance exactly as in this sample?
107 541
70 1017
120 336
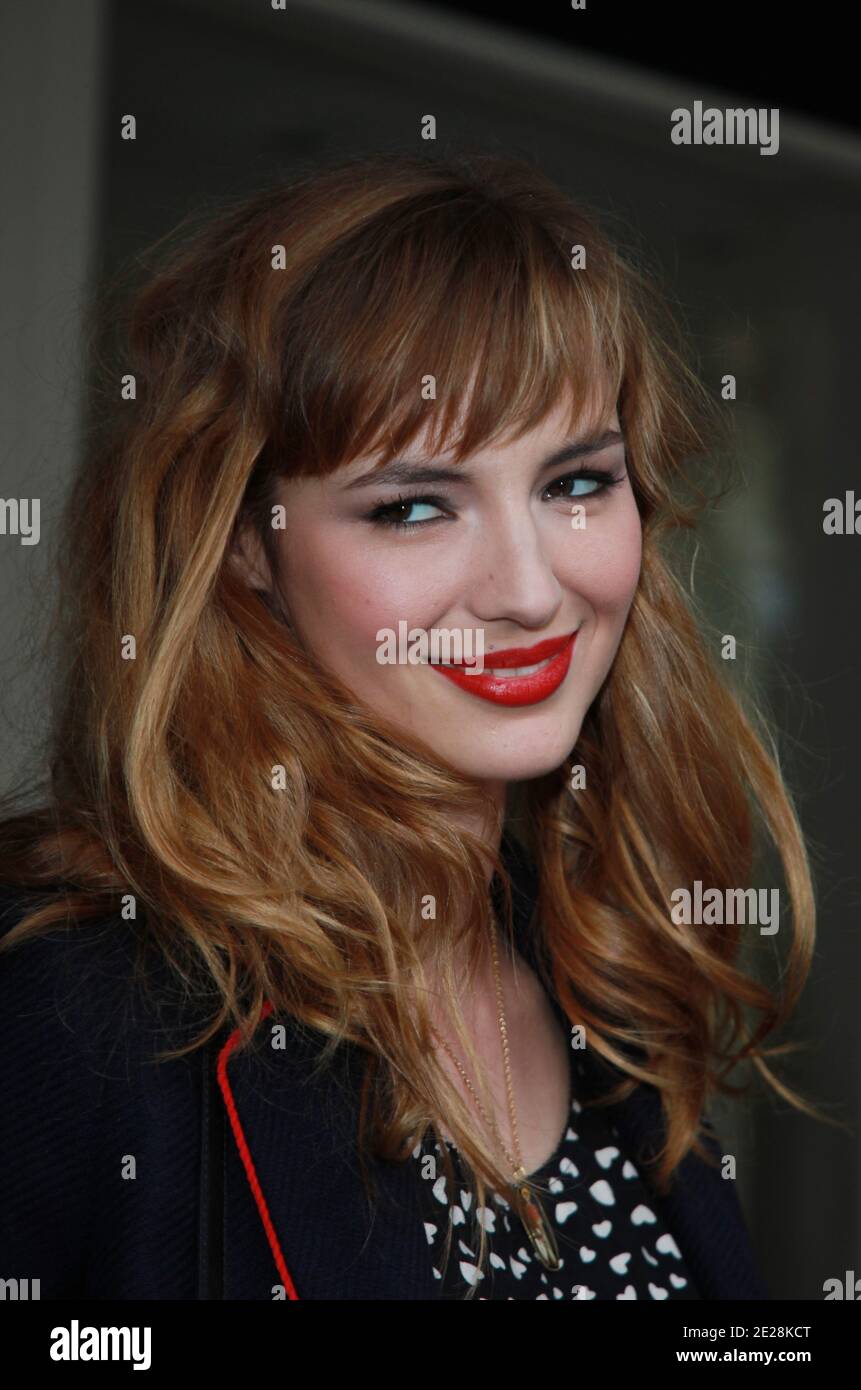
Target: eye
401 515
395 514
587 483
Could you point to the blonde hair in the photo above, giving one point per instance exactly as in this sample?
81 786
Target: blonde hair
309 897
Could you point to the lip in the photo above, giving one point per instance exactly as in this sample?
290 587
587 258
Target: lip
517 690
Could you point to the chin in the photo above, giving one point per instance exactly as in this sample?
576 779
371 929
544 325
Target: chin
528 758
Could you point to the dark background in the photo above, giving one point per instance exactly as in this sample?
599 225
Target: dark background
766 54
758 254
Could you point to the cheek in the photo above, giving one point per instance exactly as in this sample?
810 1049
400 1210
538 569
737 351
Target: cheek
327 582
603 563
341 593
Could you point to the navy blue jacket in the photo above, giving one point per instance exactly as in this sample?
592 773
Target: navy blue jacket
121 1177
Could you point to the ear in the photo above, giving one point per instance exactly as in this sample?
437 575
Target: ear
248 559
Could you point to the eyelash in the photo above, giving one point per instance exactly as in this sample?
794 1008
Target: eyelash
380 516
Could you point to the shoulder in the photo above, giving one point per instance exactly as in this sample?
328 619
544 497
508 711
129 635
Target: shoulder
77 992
57 987
82 1021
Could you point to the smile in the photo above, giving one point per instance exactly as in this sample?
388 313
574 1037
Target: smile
526 683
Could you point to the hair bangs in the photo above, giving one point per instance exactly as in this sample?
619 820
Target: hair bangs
468 325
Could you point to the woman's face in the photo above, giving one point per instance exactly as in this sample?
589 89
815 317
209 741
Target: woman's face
492 545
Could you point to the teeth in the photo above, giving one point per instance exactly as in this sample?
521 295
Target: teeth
519 670
508 670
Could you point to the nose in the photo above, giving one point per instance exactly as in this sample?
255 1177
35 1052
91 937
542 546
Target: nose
512 573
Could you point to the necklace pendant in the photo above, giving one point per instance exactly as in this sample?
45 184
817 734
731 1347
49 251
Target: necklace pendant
538 1228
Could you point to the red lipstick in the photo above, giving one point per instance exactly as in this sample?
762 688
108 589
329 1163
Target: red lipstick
529 689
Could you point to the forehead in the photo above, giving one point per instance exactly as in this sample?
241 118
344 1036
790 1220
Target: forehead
565 422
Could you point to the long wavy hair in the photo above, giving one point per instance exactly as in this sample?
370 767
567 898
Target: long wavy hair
283 334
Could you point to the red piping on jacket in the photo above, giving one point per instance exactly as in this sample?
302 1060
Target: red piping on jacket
248 1162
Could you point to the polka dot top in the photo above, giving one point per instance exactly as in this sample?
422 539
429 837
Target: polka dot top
611 1241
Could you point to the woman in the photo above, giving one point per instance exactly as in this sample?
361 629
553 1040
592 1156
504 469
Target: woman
342 961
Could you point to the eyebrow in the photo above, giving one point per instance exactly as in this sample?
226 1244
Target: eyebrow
421 471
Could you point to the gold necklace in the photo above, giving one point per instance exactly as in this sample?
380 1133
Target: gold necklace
526 1203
